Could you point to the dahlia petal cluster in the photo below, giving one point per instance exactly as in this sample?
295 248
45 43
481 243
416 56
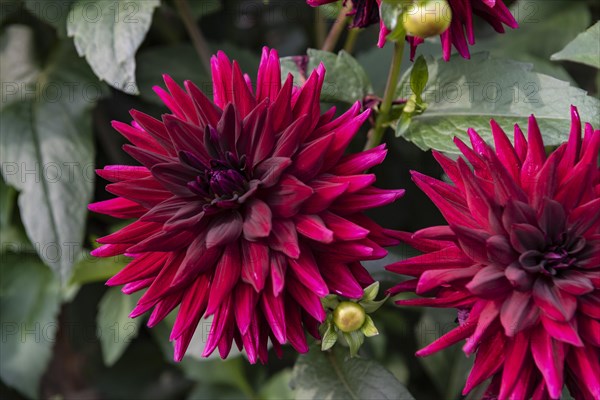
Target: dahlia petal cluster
245 208
460 34
519 259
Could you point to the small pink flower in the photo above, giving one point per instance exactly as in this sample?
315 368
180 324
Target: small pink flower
246 209
519 259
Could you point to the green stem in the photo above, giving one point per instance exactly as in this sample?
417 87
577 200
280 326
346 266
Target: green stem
376 134
198 40
351 40
320 27
336 30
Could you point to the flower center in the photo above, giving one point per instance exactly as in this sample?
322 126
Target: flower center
224 180
555 258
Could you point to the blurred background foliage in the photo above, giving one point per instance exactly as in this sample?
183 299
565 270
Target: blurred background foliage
64 334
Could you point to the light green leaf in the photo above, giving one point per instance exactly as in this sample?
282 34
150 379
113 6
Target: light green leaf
93 269
108 33
466 94
115 329
47 151
584 49
278 387
54 12
536 39
18 65
334 375
29 305
345 79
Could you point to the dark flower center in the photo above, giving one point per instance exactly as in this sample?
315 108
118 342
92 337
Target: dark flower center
555 258
223 181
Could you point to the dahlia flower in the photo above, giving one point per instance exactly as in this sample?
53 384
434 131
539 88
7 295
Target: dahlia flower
246 209
519 259
460 34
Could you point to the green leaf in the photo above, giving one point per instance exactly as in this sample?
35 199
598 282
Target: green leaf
447 369
193 354
53 12
466 94
94 269
29 305
108 33
228 373
584 49
333 375
345 79
205 7
181 62
115 329
536 39
47 151
278 387
19 68
419 76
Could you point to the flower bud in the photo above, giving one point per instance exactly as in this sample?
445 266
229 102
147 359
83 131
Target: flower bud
427 18
349 316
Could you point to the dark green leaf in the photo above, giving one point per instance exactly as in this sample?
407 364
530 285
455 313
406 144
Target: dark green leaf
115 329
448 369
205 7
108 33
334 375
47 151
29 305
466 94
584 49
181 62
54 12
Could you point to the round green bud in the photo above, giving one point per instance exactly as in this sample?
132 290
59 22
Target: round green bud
349 316
428 18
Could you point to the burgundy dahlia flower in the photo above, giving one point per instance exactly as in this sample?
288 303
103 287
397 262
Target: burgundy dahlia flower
519 259
460 34
246 209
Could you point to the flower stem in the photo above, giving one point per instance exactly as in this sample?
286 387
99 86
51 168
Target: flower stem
376 134
198 40
351 39
336 30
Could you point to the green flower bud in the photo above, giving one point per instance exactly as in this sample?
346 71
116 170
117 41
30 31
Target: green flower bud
427 18
349 316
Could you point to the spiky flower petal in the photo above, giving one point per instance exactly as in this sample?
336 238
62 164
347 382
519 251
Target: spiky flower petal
519 259
246 209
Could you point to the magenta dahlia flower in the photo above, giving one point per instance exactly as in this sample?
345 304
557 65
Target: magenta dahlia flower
519 259
460 34
246 208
